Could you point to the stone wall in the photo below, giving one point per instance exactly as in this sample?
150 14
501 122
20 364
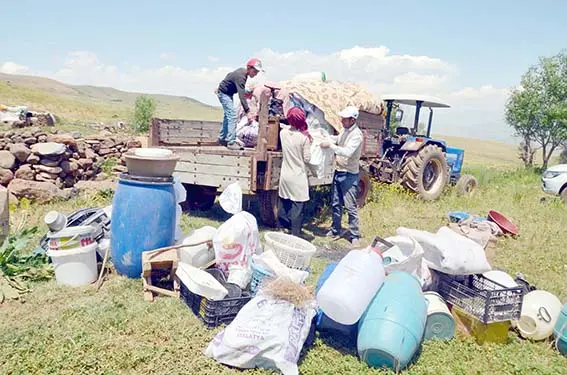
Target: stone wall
56 158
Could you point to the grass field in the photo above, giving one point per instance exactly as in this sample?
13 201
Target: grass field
114 331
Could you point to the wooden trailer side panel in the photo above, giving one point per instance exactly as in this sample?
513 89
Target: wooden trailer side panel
215 170
167 132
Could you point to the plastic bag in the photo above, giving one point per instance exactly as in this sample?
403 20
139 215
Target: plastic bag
321 161
238 238
406 256
266 333
449 252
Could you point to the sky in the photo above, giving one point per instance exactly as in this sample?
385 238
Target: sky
469 54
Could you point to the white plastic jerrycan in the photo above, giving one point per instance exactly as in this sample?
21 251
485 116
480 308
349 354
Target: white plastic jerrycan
349 289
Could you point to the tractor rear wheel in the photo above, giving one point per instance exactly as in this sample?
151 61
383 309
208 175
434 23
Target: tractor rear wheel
466 185
364 187
425 172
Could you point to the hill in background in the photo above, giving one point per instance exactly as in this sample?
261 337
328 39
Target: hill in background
85 104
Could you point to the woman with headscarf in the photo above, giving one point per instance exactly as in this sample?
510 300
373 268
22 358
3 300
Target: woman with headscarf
294 185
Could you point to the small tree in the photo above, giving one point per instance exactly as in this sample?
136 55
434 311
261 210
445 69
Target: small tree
143 113
537 111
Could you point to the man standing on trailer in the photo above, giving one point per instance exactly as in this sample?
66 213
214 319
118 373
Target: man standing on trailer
348 148
234 83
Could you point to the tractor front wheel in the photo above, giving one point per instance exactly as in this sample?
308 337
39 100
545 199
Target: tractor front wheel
466 185
425 172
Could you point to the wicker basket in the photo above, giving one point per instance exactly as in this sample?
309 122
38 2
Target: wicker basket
292 251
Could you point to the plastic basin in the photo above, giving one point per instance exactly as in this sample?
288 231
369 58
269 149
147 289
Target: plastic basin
503 223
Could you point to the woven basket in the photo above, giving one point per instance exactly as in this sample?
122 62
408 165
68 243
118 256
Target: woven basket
292 251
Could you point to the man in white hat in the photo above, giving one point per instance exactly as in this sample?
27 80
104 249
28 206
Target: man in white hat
348 148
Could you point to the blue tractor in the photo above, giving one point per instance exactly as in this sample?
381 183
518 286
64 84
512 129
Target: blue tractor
418 162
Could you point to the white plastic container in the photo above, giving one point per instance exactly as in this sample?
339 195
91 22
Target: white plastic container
75 267
540 311
352 285
71 237
198 255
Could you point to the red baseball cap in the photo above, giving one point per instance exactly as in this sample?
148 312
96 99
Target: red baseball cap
255 63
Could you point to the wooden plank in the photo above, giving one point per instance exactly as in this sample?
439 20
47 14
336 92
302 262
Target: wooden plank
211 150
220 182
229 160
219 170
263 121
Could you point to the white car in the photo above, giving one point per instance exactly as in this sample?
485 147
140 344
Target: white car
554 181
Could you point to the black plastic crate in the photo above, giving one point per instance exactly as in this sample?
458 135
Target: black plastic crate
214 313
482 298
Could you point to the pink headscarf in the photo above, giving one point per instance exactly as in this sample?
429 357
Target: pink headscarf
296 119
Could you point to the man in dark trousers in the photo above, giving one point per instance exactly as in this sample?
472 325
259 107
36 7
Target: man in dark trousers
233 83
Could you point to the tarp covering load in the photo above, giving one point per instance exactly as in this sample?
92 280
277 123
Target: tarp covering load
332 96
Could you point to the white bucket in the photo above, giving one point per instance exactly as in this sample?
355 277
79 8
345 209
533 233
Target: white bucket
440 323
540 311
75 267
71 237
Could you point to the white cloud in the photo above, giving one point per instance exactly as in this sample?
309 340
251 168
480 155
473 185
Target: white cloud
12 68
376 68
167 56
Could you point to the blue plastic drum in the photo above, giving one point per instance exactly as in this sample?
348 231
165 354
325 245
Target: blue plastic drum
143 218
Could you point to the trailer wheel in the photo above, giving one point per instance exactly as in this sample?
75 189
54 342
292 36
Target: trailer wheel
425 172
269 207
364 187
199 197
466 185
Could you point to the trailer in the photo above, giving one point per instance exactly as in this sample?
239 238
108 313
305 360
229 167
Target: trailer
206 169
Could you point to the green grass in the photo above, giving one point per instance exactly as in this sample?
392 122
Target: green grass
114 331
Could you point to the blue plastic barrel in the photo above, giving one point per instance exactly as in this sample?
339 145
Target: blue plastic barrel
391 329
322 322
143 218
560 331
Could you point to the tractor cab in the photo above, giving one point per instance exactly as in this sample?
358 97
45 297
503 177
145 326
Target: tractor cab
410 156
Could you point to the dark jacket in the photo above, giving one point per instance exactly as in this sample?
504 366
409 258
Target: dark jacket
235 82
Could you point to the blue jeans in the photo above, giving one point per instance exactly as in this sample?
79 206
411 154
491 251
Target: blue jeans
345 190
228 129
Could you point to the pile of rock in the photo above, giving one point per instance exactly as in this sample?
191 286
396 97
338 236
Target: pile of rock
58 159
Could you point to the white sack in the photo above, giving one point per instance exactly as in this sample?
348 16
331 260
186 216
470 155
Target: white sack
321 160
266 333
238 238
406 256
449 252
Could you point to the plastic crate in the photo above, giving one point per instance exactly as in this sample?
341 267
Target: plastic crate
482 298
292 251
213 313
259 274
